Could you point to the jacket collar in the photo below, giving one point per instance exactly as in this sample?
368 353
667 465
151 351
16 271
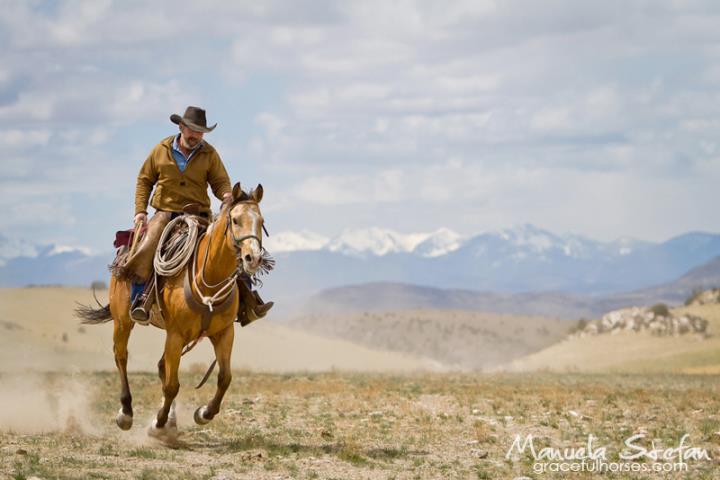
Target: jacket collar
204 146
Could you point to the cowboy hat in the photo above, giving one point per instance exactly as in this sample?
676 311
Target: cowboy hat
194 119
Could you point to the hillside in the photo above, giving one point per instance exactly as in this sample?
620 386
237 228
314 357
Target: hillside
636 352
457 338
702 277
389 296
386 296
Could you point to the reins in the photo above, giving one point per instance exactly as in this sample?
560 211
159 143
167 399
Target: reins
226 287
223 292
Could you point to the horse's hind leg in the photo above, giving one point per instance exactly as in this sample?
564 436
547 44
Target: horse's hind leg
222 343
121 335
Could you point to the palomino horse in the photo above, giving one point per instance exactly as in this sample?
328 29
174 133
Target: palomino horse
231 244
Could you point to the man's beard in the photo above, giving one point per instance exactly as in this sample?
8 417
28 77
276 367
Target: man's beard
189 143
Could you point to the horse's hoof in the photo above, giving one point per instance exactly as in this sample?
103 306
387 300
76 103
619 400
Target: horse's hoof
123 420
167 434
200 416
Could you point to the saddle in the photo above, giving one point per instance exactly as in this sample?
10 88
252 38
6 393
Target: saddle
138 268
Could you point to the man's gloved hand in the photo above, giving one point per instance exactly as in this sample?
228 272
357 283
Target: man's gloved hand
141 218
227 198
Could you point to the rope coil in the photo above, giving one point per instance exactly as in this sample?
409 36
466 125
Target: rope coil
170 259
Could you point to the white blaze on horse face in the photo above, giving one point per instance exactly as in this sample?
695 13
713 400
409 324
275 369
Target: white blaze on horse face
249 223
255 229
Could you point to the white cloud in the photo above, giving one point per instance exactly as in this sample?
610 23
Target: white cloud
32 213
385 186
29 107
472 111
15 138
93 99
272 123
552 119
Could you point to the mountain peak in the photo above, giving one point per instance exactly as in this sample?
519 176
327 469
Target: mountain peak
440 242
528 235
295 241
375 240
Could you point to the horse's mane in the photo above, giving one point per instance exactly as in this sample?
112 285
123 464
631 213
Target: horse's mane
243 197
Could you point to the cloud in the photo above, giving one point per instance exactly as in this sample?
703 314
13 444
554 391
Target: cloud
471 112
385 186
32 213
15 138
89 99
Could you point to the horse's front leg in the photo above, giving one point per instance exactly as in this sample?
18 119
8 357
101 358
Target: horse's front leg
222 343
173 348
172 418
121 334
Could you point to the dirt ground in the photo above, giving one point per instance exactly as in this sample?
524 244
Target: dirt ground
351 425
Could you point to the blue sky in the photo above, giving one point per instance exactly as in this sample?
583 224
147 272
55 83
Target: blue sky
597 118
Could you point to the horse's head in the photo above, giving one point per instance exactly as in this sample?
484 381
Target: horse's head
244 224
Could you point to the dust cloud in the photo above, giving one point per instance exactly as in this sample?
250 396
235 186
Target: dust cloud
34 403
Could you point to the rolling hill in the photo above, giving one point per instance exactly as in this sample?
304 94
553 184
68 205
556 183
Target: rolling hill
634 352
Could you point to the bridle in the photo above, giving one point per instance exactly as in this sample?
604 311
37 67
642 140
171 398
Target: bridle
225 286
237 241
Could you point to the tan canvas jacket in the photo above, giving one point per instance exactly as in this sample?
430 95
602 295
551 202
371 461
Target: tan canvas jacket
175 189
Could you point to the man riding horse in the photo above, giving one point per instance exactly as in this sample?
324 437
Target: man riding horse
179 168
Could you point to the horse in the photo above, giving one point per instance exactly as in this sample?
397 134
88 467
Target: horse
232 243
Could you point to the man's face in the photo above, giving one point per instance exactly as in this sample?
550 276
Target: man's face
189 138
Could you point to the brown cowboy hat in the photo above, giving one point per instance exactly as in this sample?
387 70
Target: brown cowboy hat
194 119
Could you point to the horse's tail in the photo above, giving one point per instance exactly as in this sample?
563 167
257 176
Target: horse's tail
93 316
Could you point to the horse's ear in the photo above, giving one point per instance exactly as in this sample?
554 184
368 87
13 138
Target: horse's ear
257 194
237 191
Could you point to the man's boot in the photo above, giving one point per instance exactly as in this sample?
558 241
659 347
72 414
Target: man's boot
261 308
251 305
141 306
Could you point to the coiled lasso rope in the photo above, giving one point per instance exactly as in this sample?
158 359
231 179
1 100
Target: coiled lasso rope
171 258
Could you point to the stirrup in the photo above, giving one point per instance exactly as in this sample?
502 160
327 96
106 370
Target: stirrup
140 308
139 315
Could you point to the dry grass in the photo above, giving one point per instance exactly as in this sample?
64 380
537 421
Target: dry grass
368 426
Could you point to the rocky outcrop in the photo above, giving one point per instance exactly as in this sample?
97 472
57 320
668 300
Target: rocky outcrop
706 297
657 320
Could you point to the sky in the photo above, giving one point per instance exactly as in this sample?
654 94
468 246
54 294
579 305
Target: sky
593 118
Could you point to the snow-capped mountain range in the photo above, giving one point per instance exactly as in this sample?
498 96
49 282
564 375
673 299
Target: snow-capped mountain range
14 248
369 241
379 242
519 259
